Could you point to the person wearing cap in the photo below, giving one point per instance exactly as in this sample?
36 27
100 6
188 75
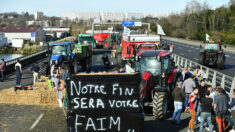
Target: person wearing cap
178 95
2 68
194 101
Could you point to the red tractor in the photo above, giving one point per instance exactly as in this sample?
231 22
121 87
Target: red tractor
212 54
158 80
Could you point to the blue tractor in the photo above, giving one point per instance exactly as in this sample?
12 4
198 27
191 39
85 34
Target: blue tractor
68 54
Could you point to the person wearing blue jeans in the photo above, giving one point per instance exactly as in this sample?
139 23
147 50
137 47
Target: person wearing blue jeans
206 107
18 69
178 95
186 102
198 113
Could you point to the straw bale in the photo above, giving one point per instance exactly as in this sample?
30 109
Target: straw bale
40 96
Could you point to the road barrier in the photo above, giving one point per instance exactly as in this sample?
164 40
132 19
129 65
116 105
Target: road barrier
25 60
215 78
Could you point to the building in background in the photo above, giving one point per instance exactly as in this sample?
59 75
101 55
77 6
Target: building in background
69 15
59 32
3 40
38 15
112 16
107 16
88 15
31 34
132 15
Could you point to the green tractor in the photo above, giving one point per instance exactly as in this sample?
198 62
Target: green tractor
86 39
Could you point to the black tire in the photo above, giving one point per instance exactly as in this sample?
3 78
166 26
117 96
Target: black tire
202 58
160 105
88 65
221 61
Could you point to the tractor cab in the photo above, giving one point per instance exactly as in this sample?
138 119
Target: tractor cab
156 62
60 52
86 39
211 46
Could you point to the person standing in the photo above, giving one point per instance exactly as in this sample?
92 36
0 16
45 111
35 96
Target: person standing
2 68
232 106
220 108
206 107
178 95
188 86
18 69
35 69
194 101
201 89
56 81
52 69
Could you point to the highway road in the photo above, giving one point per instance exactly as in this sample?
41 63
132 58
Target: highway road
191 52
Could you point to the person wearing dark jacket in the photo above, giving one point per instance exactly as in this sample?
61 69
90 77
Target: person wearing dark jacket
35 69
220 108
178 95
232 106
2 68
202 90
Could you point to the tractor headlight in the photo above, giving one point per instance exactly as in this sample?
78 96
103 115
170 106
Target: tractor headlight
56 62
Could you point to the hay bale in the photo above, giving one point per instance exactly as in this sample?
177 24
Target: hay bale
40 96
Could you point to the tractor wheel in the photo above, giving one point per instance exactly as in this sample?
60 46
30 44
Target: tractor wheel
221 61
160 105
88 65
75 67
106 44
202 58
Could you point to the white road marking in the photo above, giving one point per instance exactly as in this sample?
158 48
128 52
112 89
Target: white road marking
195 58
181 54
36 122
197 48
189 50
227 56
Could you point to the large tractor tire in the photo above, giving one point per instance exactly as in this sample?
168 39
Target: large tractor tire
160 105
106 44
202 58
88 65
221 61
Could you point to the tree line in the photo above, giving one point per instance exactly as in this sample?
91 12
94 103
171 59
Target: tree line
197 19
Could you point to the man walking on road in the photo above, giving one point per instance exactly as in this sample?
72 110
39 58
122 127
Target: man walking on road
35 69
188 86
2 68
178 95
220 108
206 107
194 101
18 69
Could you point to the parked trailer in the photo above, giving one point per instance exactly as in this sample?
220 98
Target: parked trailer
132 42
101 37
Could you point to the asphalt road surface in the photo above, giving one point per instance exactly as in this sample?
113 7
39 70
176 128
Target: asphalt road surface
191 52
22 118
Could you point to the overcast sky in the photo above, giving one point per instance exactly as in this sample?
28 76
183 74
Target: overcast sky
56 7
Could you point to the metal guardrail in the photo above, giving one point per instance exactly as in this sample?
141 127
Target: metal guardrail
215 78
25 60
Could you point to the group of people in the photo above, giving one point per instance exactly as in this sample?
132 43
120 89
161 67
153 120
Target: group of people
201 100
56 74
